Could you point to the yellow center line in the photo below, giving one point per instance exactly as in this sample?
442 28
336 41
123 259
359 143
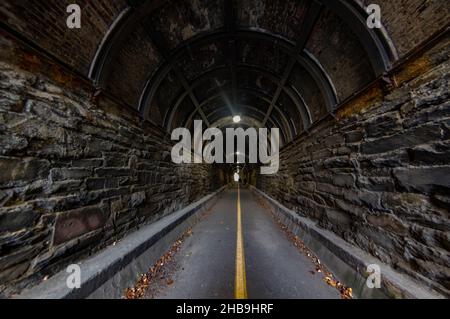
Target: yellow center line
240 282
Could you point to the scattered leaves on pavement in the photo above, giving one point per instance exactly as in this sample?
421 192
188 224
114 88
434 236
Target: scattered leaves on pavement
346 292
159 270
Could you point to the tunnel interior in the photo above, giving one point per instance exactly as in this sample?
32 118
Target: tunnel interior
86 117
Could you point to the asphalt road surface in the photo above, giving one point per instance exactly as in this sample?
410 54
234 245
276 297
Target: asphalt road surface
263 264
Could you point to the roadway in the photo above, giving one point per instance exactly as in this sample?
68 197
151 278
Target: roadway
254 259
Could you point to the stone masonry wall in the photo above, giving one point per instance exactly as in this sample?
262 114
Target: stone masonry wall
76 172
379 175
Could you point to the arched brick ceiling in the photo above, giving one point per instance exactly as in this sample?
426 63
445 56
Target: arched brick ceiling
284 63
44 22
408 23
232 49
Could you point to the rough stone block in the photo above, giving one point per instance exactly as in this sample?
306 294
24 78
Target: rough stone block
137 199
388 222
59 174
115 160
438 154
95 183
113 172
424 179
344 180
354 136
72 224
88 163
10 143
383 125
416 136
21 170
17 218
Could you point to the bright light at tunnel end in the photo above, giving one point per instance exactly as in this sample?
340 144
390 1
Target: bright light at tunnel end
236 119
183 152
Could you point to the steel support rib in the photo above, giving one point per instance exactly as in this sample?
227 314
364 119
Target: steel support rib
125 23
302 108
311 66
376 43
298 101
311 18
380 52
261 95
273 122
244 106
380 48
191 94
230 26
179 74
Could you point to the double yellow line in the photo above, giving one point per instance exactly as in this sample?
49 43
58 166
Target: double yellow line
240 281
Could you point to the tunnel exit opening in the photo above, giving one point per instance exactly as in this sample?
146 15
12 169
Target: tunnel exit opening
236 148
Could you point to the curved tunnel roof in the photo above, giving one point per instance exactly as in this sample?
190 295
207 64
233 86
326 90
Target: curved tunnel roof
219 58
278 63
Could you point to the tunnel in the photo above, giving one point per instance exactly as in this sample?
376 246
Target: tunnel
108 108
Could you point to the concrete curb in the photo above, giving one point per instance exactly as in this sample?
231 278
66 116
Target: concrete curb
346 261
109 272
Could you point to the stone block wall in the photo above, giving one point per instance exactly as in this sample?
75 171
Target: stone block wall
379 174
77 172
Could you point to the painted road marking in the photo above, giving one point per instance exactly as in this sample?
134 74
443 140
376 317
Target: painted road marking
240 282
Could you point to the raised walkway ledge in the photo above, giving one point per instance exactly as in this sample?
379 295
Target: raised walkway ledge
108 273
346 261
